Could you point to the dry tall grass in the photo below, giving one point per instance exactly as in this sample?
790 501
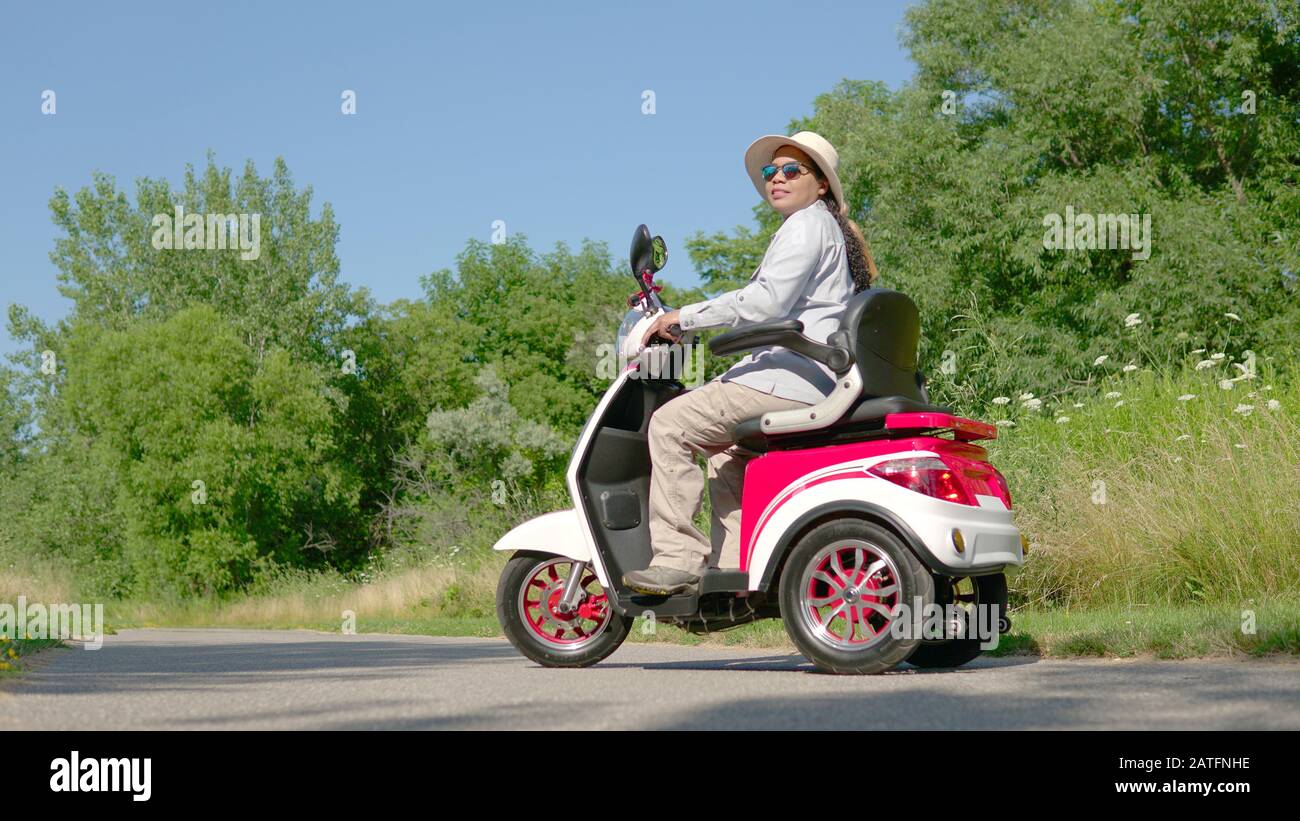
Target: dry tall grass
432 591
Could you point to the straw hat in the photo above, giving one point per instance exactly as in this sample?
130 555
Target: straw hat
760 153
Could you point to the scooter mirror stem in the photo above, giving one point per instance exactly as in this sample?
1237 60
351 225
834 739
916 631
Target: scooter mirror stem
647 280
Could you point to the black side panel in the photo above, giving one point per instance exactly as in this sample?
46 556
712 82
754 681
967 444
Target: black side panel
885 328
619 509
618 464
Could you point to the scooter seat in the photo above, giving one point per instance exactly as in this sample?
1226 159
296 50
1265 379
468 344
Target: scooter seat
864 415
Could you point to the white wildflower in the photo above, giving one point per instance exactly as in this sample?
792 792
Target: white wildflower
1130 368
1204 363
1244 410
1101 359
1001 400
1273 404
1113 395
1185 397
1061 420
1132 320
1232 316
1217 356
1226 384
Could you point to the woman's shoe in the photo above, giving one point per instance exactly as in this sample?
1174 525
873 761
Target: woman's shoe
661 581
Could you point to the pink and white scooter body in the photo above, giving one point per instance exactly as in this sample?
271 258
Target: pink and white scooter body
785 489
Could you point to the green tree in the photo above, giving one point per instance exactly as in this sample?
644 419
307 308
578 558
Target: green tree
208 464
196 365
1140 113
13 423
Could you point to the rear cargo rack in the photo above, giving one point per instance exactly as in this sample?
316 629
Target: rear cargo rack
963 430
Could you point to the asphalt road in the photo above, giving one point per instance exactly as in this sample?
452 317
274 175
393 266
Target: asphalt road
296 679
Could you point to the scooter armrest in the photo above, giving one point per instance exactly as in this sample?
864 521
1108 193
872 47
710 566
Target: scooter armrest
788 333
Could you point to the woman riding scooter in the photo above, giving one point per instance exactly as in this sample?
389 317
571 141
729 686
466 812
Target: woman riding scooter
815 262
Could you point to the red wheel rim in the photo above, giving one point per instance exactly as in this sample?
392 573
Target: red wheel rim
540 598
849 594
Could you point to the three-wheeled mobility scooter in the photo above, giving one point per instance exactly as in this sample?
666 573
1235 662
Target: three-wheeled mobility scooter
857 512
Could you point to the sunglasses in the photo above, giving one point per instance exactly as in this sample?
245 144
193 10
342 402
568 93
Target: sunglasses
790 170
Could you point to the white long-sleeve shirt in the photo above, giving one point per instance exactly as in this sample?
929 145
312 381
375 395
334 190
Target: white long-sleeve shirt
804 275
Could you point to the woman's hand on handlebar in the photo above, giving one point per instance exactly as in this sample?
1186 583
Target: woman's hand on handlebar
666 326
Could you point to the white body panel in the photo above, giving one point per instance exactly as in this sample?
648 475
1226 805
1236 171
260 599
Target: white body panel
559 532
992 540
847 390
570 529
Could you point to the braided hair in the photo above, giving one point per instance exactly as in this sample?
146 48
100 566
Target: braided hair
861 265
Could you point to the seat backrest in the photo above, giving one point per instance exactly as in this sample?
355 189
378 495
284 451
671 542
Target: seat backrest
884 328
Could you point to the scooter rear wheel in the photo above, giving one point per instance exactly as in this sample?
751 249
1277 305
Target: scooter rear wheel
841 591
529 593
967 593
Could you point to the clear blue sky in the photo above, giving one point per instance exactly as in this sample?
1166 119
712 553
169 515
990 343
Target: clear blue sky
466 113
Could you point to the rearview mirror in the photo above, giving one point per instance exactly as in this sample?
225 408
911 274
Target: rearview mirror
642 253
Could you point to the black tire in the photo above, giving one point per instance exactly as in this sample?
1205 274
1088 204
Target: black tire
989 590
517 573
823 647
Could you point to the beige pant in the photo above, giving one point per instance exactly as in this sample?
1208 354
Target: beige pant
701 421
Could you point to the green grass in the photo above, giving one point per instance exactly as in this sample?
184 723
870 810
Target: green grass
1167 631
1162 631
1158 501
13 653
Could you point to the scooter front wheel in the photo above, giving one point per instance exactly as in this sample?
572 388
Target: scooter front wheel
529 608
845 584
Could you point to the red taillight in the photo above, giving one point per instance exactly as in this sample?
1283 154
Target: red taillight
950 478
999 484
928 475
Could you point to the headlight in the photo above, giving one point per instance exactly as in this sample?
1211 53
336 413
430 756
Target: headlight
630 319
